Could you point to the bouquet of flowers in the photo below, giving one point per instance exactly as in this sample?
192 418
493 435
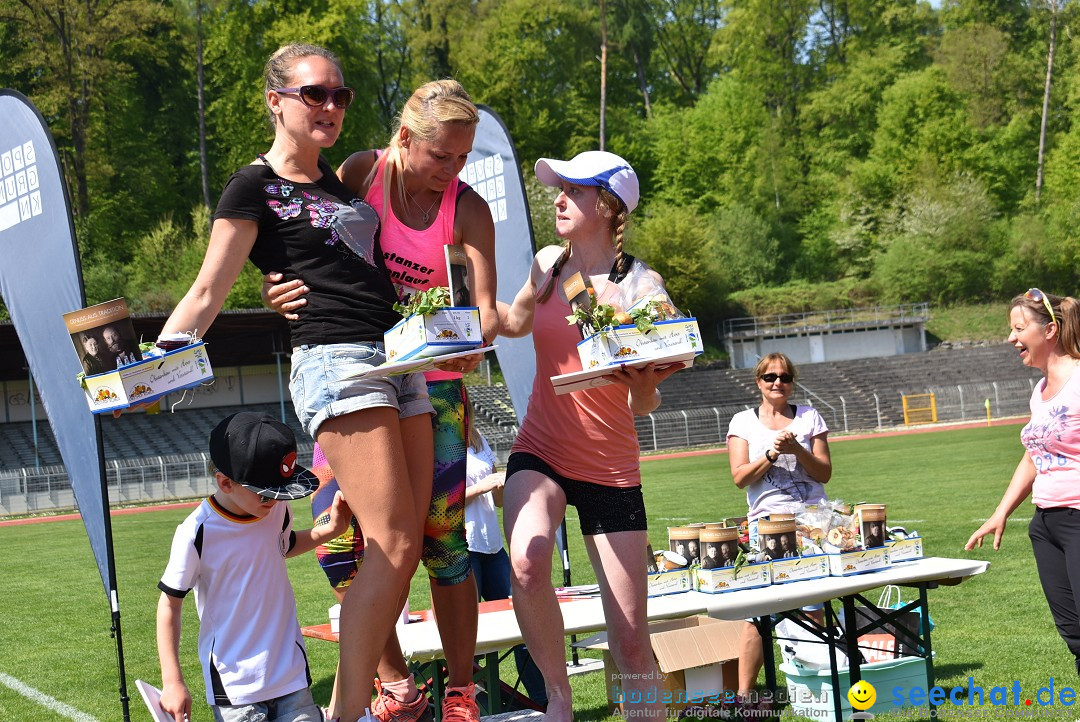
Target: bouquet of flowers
424 302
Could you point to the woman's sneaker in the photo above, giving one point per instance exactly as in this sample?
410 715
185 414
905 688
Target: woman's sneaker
387 708
459 705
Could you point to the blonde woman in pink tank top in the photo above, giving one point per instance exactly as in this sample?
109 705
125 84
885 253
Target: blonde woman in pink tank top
580 449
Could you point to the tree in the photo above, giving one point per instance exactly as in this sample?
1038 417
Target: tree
534 62
686 36
68 54
1054 6
710 155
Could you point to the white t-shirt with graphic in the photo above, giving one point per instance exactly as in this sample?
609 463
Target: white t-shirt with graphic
1052 439
787 483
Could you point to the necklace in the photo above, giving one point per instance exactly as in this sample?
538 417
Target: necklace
425 214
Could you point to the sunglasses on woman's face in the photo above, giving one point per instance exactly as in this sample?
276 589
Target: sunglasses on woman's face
771 378
316 96
1039 297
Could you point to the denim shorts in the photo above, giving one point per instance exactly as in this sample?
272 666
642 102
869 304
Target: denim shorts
323 385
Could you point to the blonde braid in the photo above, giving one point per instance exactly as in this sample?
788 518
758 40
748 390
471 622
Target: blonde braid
549 285
608 202
620 228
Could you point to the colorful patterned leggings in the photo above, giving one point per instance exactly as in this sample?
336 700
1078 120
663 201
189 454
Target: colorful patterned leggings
445 553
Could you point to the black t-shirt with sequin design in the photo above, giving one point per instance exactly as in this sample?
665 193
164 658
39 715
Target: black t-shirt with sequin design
322 233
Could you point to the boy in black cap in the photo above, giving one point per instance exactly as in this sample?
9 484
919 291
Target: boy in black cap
231 551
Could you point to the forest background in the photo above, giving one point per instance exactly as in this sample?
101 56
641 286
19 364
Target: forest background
794 154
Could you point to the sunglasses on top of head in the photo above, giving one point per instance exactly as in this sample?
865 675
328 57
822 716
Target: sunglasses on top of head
316 96
1039 297
784 378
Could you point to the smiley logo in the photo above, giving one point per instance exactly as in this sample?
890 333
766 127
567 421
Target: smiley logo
862 695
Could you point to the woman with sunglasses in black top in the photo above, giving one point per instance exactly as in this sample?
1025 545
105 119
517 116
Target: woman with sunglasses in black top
288 211
779 453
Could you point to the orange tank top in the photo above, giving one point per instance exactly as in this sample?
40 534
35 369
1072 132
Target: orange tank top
586 435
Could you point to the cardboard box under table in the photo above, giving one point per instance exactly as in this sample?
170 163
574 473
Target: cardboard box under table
149 379
697 656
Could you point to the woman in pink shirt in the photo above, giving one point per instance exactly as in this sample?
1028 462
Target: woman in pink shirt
580 449
1045 329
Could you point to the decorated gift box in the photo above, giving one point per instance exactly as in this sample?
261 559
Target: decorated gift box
673 581
810 566
442 331
668 572
148 380
902 550
730 579
861 561
620 344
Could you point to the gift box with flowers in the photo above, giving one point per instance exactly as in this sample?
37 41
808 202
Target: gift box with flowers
432 327
631 321
903 545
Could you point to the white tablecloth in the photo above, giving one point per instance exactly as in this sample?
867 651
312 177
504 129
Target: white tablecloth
499 630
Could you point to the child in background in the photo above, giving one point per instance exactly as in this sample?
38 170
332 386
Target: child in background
231 550
490 564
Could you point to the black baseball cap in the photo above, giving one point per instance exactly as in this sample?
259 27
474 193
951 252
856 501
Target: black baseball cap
259 453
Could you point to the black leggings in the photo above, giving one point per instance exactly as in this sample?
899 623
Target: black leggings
1055 539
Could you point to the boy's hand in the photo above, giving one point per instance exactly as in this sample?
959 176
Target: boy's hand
340 515
176 701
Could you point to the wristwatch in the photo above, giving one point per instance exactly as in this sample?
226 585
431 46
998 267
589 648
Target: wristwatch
772 459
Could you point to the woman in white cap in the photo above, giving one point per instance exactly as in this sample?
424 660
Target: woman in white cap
581 448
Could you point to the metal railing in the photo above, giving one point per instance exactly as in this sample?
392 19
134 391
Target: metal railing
165 478
819 320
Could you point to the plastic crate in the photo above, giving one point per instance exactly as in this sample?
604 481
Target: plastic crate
810 691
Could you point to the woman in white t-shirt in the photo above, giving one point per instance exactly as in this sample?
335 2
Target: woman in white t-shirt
1045 329
779 453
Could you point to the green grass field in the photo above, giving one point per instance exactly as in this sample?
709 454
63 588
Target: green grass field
994 628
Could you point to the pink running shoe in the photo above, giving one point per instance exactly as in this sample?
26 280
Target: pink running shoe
461 707
386 708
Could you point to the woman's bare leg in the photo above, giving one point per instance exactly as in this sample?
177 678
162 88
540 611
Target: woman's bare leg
619 561
751 658
533 508
456 617
375 456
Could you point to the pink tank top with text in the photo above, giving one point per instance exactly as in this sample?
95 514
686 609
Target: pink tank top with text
415 258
